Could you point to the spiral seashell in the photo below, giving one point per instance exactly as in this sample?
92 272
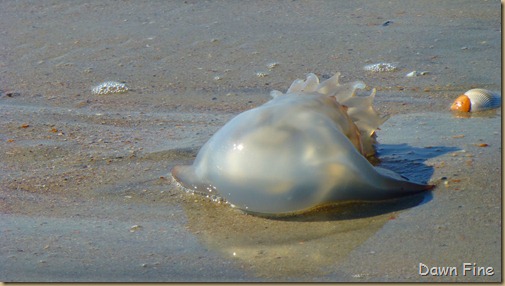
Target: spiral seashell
476 99
300 150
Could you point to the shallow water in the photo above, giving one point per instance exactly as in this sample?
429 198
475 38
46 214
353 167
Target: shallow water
291 248
79 171
277 248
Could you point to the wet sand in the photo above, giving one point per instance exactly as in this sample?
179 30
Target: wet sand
85 190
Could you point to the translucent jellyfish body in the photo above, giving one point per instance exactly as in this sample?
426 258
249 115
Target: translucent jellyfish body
300 150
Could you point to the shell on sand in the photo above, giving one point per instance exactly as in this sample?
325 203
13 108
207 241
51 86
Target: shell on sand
477 99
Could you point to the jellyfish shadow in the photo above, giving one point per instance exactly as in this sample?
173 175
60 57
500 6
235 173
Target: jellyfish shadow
406 160
409 161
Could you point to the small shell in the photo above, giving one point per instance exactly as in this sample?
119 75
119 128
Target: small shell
416 73
412 74
477 99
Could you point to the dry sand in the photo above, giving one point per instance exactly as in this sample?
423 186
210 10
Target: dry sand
85 193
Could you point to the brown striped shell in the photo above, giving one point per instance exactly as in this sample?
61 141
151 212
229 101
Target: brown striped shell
477 99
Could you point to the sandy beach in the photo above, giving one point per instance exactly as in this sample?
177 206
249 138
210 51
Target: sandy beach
86 193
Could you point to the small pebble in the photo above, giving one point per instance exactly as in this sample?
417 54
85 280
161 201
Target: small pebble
12 94
387 23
